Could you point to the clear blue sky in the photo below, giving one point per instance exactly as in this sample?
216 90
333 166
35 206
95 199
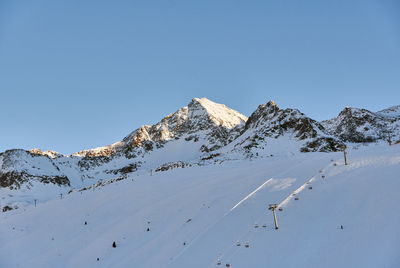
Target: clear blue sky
81 74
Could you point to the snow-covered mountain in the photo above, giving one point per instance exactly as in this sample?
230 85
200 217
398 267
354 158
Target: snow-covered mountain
179 139
201 133
271 130
203 121
192 190
360 125
19 167
391 112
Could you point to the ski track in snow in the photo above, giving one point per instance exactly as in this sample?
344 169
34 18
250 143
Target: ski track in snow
297 191
251 194
285 202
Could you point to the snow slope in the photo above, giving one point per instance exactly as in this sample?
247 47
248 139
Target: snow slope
197 214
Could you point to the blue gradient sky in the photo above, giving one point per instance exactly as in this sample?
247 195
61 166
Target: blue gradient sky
81 74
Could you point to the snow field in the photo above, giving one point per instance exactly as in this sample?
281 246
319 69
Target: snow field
193 224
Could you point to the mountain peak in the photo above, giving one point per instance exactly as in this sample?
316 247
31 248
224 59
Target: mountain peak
218 113
51 154
200 100
200 115
361 125
271 103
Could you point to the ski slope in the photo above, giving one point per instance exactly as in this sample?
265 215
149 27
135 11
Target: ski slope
196 215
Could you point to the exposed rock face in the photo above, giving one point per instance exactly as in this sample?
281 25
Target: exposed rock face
18 167
51 154
14 179
269 122
273 122
168 166
202 120
360 125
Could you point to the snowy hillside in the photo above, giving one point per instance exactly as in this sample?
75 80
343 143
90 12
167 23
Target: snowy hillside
197 216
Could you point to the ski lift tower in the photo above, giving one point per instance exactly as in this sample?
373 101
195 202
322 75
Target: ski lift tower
273 207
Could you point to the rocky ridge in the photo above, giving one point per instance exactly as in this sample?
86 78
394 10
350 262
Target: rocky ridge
202 120
360 125
270 123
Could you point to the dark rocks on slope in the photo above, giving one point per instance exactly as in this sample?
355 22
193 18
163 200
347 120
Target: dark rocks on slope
269 121
360 126
14 179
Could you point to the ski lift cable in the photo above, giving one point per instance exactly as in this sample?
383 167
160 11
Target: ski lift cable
247 231
225 252
228 254
249 237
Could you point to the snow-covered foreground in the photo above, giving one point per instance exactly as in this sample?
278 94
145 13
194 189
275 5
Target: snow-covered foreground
196 216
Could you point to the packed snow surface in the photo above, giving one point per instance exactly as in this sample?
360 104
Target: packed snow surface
198 216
